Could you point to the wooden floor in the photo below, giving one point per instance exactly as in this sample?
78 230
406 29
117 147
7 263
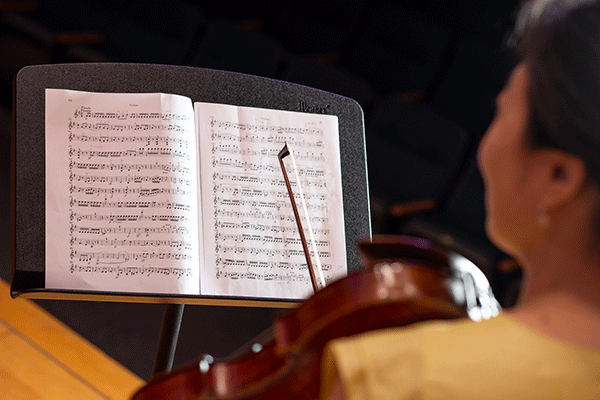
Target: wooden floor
41 358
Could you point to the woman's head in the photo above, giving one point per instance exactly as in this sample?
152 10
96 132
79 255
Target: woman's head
560 43
543 147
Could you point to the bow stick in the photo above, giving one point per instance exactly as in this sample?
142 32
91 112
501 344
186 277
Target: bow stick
282 154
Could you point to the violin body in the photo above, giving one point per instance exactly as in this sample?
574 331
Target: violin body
407 280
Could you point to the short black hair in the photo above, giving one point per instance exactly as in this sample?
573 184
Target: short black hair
559 40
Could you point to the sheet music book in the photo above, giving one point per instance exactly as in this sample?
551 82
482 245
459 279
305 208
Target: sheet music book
156 193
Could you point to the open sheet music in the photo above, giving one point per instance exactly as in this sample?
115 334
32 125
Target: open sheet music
151 193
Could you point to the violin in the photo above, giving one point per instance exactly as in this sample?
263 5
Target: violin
406 280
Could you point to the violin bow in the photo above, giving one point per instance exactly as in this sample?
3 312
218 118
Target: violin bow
282 154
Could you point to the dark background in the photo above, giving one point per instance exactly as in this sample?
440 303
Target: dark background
425 72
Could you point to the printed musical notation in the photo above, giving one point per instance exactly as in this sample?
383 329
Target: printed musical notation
140 152
130 242
264 239
121 167
135 231
167 205
128 179
87 112
268 228
120 218
104 257
280 130
265 265
123 192
249 222
147 140
115 195
117 271
256 138
141 192
101 126
266 277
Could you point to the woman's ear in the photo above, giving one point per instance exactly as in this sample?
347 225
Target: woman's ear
565 176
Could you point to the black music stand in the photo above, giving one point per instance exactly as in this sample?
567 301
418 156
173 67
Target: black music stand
204 85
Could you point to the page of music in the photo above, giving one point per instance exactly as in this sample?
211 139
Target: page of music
121 193
251 239
147 193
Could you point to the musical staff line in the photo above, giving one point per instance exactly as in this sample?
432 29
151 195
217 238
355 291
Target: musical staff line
140 152
280 204
86 112
264 239
136 231
274 140
128 179
125 191
131 242
167 205
265 265
269 252
167 167
76 216
234 275
149 140
263 228
280 130
131 271
103 126
104 257
236 190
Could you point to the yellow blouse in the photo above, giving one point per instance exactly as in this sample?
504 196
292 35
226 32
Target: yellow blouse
493 359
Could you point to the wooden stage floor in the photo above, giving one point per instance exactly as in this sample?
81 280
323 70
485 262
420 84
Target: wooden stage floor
42 358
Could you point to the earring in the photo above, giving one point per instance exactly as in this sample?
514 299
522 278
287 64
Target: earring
542 217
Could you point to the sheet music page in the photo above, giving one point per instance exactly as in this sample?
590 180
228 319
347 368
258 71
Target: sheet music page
121 192
251 241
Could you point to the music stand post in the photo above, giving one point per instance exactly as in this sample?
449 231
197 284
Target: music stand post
167 341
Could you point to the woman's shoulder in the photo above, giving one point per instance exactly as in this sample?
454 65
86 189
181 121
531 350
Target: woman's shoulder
502 333
501 338
461 358
563 317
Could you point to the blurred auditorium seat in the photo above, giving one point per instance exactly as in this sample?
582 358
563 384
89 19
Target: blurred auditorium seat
466 94
467 91
460 218
256 13
30 35
459 224
58 25
399 50
226 46
306 70
20 49
413 156
486 20
318 27
97 16
154 31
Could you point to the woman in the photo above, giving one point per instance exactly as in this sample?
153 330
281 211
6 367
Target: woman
540 160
